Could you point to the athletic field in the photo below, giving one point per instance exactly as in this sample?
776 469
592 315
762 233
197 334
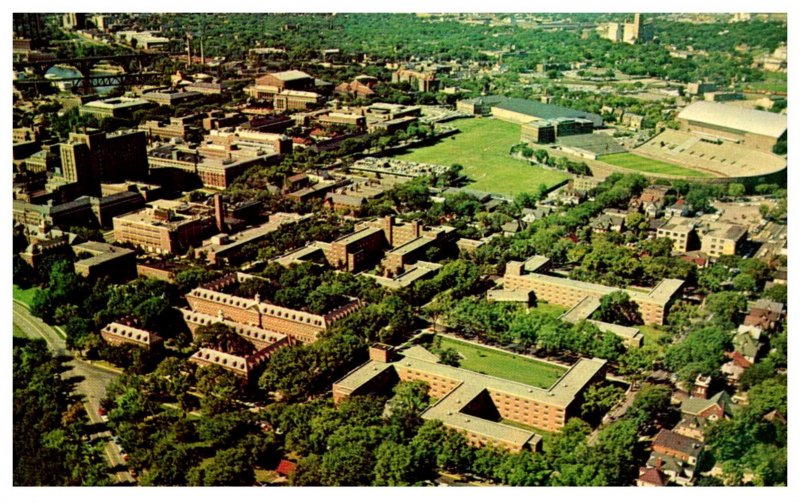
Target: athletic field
646 165
504 365
482 147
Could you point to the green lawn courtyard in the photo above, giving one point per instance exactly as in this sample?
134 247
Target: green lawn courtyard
551 309
482 147
504 365
646 165
24 295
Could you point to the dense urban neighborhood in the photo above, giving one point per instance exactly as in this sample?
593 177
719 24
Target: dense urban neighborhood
400 249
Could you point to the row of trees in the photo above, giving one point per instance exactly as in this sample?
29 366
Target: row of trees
51 435
506 324
173 440
389 35
306 286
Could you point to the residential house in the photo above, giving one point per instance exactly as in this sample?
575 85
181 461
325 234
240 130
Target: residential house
652 477
686 449
608 222
748 342
711 409
735 367
765 314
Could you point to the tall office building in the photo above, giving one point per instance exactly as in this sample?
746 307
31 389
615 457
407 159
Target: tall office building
92 157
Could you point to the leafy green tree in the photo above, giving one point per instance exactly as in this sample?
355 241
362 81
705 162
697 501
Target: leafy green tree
221 390
618 308
410 399
598 400
224 338
524 469
777 293
616 452
450 356
636 222
743 282
172 461
651 406
228 467
726 306
350 457
736 189
701 352
308 471
395 465
637 362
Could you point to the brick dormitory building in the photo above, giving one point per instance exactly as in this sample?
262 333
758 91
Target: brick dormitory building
352 252
210 299
266 342
474 403
654 304
266 326
128 331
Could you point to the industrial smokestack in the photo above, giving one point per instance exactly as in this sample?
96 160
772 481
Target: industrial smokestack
218 212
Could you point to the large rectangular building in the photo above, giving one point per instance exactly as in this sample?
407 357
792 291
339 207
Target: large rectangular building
752 128
121 107
523 111
209 299
474 403
565 292
92 157
116 263
167 228
723 239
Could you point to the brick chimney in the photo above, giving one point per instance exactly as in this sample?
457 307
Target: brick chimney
381 353
218 212
388 229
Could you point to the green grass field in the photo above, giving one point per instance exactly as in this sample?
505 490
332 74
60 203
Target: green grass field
504 365
551 309
775 82
18 332
24 295
639 163
482 147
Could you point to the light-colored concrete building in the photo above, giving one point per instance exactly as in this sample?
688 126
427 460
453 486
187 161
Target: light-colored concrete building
654 304
680 230
752 128
723 239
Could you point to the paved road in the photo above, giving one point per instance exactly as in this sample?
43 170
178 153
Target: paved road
92 387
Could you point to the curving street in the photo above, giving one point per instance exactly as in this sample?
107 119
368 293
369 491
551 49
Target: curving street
92 387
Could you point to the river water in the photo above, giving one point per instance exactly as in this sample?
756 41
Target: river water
63 72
